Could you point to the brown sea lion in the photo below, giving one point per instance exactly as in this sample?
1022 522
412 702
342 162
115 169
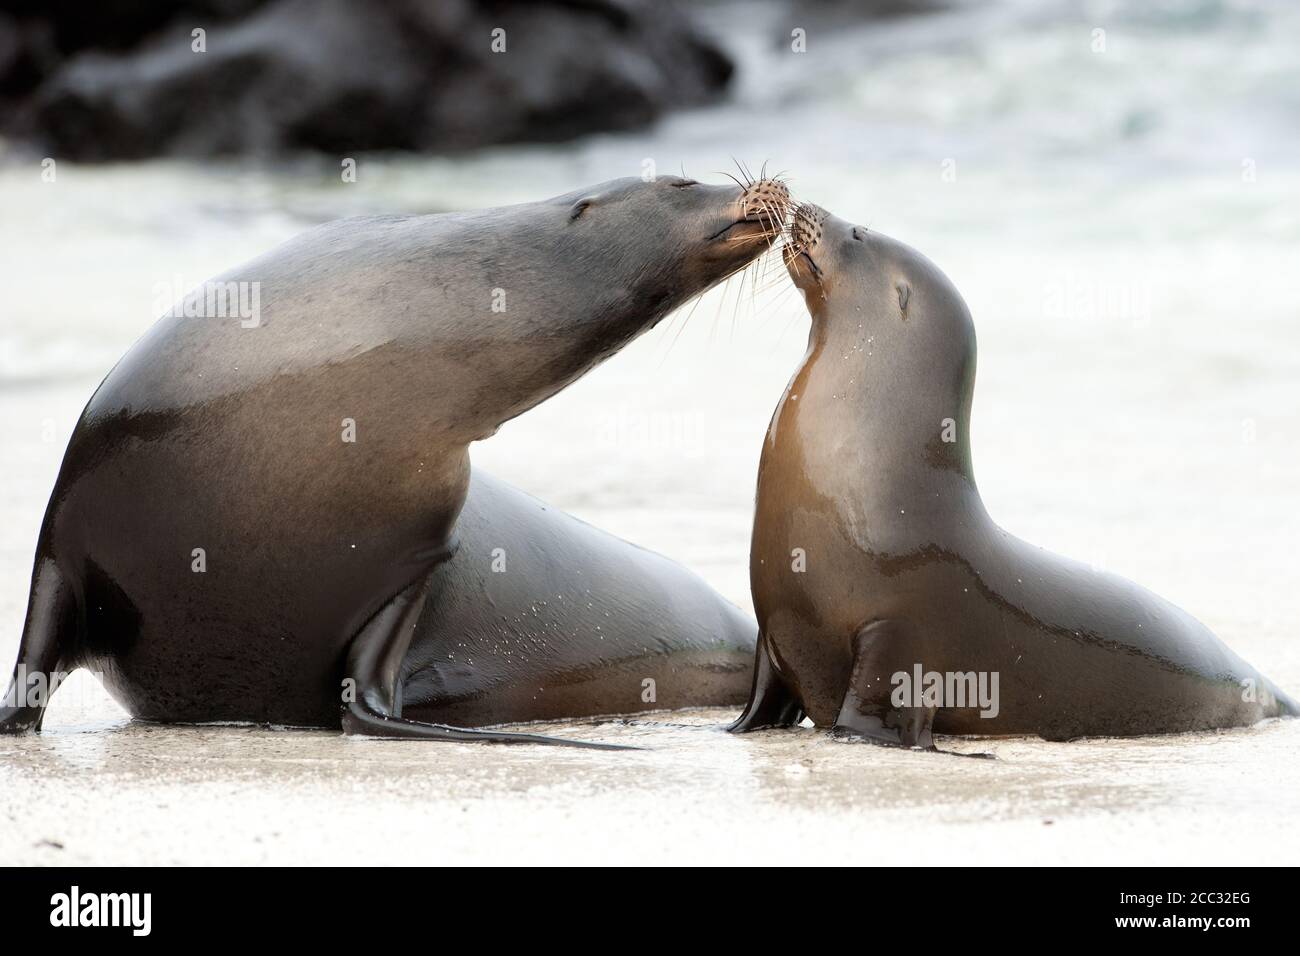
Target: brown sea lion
890 605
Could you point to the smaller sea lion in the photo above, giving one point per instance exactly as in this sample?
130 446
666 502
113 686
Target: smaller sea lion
899 571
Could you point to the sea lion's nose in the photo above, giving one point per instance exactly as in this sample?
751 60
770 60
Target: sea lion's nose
806 225
766 201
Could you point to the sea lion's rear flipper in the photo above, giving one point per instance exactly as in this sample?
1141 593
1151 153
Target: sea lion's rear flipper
880 650
47 638
771 701
373 705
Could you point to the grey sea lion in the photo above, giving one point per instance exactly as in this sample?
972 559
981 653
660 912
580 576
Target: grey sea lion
250 513
899 571
540 616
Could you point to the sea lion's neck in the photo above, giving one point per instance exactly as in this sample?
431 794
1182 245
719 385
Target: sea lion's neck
897 387
537 359
509 361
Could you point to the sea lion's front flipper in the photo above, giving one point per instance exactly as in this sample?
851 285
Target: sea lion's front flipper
50 631
771 701
880 650
374 708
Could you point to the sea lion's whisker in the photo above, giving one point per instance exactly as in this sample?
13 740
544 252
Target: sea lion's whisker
789 322
722 301
774 305
717 315
792 262
774 258
771 275
772 281
740 294
694 303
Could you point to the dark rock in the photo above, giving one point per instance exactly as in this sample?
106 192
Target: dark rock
118 24
27 54
342 76
45 32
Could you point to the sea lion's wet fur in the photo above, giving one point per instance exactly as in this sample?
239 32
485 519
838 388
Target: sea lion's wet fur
217 444
867 470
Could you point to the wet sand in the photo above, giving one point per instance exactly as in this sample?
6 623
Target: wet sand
139 794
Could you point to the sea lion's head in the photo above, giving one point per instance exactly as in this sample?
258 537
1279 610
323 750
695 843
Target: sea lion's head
846 271
670 238
897 326
587 272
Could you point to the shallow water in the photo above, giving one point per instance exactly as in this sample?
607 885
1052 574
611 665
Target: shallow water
1137 407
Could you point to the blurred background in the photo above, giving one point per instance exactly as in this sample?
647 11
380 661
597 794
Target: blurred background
1113 186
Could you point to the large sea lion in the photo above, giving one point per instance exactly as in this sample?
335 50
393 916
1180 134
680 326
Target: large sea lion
251 513
889 603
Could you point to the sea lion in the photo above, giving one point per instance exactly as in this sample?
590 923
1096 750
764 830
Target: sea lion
898 572
540 616
251 509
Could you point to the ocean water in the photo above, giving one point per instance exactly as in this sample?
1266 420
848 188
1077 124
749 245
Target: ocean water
1120 210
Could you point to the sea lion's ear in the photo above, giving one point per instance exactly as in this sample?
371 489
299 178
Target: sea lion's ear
904 293
579 207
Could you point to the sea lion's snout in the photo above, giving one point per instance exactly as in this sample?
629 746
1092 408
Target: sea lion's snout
754 216
804 235
766 201
806 227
